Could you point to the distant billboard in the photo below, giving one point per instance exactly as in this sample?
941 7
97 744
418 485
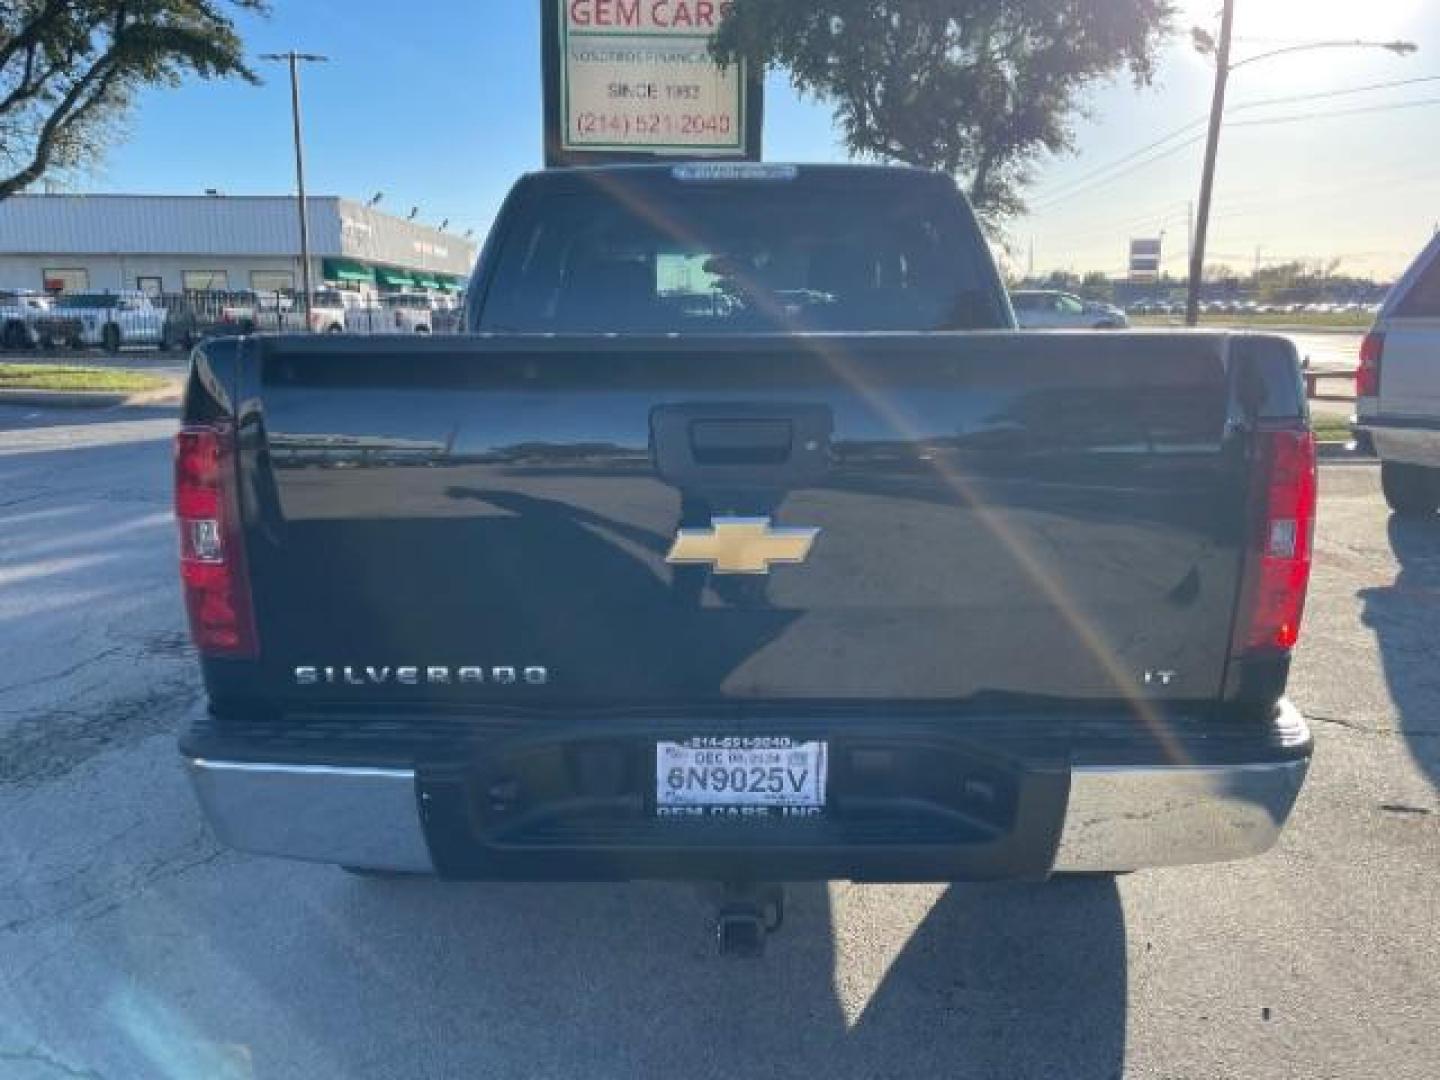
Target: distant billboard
633 79
1145 260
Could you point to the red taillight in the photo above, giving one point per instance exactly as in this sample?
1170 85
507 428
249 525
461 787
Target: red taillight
1278 567
1367 376
212 555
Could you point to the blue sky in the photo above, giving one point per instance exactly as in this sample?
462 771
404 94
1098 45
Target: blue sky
437 104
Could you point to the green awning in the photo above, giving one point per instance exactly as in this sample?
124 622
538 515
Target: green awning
449 284
425 281
397 279
342 270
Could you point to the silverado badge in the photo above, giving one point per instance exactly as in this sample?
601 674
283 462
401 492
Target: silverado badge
741 545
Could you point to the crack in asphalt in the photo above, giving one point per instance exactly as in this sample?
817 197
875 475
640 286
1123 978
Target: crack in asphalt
167 645
92 907
1406 732
49 744
20 500
63 673
35 1056
116 902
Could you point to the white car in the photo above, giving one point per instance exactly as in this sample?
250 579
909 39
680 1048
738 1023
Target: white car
112 320
1047 309
20 312
395 313
1397 388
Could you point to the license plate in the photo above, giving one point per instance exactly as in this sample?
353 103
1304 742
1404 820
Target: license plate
735 776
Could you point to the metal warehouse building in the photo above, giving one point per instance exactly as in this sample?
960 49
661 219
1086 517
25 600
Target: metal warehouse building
181 243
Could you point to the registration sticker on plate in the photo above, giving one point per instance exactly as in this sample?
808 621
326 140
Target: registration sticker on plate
740 776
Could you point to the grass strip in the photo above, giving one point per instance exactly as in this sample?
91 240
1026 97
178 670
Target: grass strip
65 377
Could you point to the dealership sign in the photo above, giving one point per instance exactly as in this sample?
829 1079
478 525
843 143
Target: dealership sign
1144 260
634 79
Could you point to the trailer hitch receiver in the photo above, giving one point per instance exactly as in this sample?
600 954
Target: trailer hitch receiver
746 915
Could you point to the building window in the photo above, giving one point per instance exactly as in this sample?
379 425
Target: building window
205 281
272 281
150 286
71 281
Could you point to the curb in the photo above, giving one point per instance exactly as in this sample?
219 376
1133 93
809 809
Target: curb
1337 452
92 399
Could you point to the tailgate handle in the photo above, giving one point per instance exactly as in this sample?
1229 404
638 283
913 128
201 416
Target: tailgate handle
741 442
728 447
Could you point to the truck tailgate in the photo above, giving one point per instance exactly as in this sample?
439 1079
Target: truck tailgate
999 515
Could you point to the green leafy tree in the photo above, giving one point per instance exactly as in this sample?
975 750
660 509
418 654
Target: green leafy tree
978 88
70 69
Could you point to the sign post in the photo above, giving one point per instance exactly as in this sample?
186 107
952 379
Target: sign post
633 80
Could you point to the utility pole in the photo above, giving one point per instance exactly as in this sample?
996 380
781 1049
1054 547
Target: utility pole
295 59
1223 68
1189 231
1207 177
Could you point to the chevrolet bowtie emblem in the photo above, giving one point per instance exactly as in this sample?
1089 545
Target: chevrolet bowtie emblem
741 545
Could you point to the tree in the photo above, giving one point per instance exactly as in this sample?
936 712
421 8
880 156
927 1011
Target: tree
977 88
69 70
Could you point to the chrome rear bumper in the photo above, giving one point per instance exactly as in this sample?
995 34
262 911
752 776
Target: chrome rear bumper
1129 819
367 818
1117 817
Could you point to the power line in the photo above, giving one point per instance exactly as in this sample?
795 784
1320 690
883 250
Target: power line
1066 189
1388 182
1054 201
1323 94
1296 117
1121 161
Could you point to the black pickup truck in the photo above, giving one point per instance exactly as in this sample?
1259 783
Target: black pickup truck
741 539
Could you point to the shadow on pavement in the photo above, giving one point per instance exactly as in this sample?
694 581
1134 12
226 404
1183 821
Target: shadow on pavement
552 980
1406 619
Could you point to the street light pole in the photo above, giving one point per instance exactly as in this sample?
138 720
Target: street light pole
1207 176
294 60
1223 68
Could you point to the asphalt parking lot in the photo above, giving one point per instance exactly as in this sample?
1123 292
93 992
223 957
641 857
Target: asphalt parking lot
132 946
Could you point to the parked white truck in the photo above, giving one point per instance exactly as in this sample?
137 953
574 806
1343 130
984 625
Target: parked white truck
395 313
20 312
1397 388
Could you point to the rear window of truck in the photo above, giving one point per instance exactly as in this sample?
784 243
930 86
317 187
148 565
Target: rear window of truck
1422 301
743 258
